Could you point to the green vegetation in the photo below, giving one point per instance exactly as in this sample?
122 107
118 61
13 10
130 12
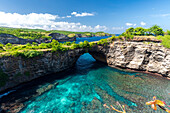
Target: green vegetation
165 40
71 35
139 31
27 73
34 49
26 33
168 32
103 42
3 78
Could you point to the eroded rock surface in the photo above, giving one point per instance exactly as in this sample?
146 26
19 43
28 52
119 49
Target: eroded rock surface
135 55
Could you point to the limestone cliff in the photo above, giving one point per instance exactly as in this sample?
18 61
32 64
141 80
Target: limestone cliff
19 69
135 55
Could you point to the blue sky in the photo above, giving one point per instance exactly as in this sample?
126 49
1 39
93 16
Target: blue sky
113 16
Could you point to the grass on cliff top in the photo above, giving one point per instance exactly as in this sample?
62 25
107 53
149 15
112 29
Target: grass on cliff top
165 40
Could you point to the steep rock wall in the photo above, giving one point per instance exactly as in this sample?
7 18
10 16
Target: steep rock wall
135 55
19 69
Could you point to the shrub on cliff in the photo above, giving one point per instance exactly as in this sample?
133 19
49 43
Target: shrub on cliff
67 43
58 48
27 54
165 40
74 46
8 46
32 53
168 32
102 42
92 44
3 78
84 44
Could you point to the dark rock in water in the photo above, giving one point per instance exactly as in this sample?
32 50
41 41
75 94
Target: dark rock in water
61 37
45 88
8 38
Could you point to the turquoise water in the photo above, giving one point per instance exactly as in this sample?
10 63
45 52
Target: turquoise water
91 84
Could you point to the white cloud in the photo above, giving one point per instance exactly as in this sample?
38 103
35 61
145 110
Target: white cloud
100 28
82 14
68 16
117 28
43 21
130 24
143 23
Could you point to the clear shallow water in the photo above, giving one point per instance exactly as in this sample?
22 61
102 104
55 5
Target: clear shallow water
87 86
92 84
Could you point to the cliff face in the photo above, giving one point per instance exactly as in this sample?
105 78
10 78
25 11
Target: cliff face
135 55
21 70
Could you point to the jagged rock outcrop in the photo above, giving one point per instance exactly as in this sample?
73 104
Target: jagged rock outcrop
135 55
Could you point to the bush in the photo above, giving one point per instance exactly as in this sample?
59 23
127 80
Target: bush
42 46
92 44
32 53
156 30
74 46
168 32
165 40
58 48
102 42
84 44
8 46
68 43
54 42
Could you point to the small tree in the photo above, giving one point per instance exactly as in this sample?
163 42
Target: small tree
156 30
139 31
130 31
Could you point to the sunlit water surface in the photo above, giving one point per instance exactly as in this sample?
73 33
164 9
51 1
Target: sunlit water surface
93 84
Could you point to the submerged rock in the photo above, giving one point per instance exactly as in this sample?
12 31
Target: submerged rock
45 88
